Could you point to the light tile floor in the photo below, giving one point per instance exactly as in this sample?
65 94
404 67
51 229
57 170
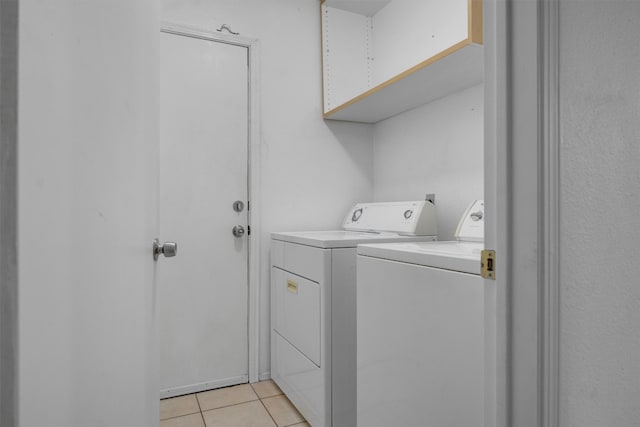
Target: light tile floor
246 405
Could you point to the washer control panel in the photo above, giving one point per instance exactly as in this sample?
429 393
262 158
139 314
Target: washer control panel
471 225
410 218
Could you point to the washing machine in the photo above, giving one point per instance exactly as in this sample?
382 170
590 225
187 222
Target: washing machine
313 318
420 330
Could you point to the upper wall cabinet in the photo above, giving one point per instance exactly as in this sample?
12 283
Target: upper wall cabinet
383 57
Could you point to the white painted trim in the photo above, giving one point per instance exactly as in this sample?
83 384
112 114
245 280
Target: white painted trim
525 214
522 205
9 283
549 311
265 376
200 33
497 221
521 110
208 385
255 213
525 105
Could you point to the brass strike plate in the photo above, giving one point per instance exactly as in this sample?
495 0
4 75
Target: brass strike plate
292 286
488 264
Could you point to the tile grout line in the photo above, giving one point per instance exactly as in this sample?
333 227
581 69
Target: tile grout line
269 413
304 420
258 398
228 406
265 406
183 415
200 408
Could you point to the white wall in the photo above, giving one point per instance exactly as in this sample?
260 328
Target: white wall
312 170
436 148
600 221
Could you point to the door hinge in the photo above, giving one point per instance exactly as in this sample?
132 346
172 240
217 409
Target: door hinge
488 264
248 230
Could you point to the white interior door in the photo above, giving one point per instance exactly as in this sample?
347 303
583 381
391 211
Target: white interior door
87 202
202 293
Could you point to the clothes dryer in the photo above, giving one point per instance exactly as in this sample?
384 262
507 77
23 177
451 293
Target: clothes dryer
313 320
420 330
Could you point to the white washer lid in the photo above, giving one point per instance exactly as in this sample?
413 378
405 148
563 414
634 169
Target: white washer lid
452 255
343 239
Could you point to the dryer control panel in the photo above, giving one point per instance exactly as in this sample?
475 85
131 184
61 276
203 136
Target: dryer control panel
416 218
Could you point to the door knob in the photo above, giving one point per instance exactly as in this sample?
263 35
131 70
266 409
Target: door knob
238 231
168 249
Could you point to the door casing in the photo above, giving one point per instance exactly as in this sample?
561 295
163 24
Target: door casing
522 203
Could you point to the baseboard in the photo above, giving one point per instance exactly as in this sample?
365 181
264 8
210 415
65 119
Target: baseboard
265 376
209 385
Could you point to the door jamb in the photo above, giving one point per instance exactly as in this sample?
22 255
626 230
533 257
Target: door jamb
549 311
9 213
253 177
496 190
522 202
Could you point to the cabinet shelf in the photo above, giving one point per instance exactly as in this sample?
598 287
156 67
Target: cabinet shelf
452 69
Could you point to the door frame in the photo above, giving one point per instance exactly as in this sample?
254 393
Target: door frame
522 190
9 213
253 176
